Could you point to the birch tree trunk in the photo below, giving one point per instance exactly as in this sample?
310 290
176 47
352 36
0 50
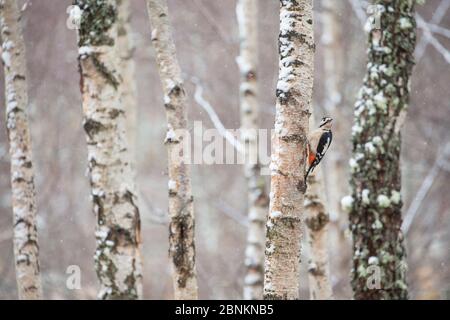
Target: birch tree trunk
333 69
294 95
111 176
128 73
258 201
181 207
26 249
316 221
379 265
335 167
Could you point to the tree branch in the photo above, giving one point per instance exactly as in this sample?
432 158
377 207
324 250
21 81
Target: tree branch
437 17
428 28
231 213
359 11
427 183
431 40
198 96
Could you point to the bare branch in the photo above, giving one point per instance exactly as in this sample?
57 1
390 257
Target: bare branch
431 39
198 96
419 197
427 183
359 11
437 17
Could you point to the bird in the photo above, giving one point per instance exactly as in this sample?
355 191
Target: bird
318 143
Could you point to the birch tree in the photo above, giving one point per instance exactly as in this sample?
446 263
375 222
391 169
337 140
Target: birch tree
258 201
111 176
26 249
335 104
294 95
333 56
317 221
374 206
128 73
181 207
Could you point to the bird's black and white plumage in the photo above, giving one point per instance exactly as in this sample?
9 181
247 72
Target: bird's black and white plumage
318 143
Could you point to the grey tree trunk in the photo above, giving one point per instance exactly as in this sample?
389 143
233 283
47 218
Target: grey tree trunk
26 249
336 106
181 207
317 222
258 201
294 96
374 207
113 192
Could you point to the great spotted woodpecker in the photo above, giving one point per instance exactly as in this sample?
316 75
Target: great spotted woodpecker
318 143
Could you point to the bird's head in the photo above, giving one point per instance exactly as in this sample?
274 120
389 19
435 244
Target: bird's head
326 123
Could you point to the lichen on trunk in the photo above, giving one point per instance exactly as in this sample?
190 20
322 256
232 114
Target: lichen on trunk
379 267
294 96
26 249
113 192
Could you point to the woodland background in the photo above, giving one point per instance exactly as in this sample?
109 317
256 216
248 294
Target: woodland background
206 35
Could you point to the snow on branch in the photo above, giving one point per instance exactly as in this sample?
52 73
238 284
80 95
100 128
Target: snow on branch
201 101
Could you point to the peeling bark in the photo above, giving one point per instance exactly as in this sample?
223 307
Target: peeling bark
111 176
26 249
181 207
294 96
375 204
258 201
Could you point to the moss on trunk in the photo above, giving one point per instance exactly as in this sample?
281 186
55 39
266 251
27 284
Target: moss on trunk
375 203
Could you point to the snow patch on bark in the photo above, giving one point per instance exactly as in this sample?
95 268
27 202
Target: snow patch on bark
347 203
383 201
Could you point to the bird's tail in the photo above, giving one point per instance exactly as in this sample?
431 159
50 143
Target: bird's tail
310 170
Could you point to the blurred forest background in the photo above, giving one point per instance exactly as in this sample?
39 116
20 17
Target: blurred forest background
206 35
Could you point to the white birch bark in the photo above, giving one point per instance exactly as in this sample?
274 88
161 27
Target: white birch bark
111 176
258 202
316 222
294 96
128 72
26 249
181 207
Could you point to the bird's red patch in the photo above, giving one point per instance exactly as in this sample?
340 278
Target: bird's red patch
311 158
